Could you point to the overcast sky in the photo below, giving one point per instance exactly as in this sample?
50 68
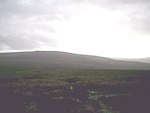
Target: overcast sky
110 28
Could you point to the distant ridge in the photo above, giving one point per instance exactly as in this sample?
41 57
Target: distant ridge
64 60
144 60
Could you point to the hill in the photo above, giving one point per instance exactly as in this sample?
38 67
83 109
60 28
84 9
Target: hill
64 60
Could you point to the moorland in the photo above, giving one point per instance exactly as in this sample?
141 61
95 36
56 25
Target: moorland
53 82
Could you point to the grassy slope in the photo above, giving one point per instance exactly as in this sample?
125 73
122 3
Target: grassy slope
62 60
61 77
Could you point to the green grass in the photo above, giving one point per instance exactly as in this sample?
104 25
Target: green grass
21 79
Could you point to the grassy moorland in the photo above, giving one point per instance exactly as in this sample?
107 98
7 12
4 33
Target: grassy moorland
74 91
60 82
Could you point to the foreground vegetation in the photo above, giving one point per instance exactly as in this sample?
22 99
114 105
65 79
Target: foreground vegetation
74 91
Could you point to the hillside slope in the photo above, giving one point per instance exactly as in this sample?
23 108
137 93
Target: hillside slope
63 60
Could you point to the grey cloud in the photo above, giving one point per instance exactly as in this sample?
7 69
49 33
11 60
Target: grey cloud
137 11
114 1
25 34
23 23
17 43
26 25
139 17
26 42
15 7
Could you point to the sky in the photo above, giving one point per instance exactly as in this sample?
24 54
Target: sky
109 28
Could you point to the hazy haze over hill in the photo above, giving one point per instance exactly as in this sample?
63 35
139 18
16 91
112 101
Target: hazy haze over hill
146 60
